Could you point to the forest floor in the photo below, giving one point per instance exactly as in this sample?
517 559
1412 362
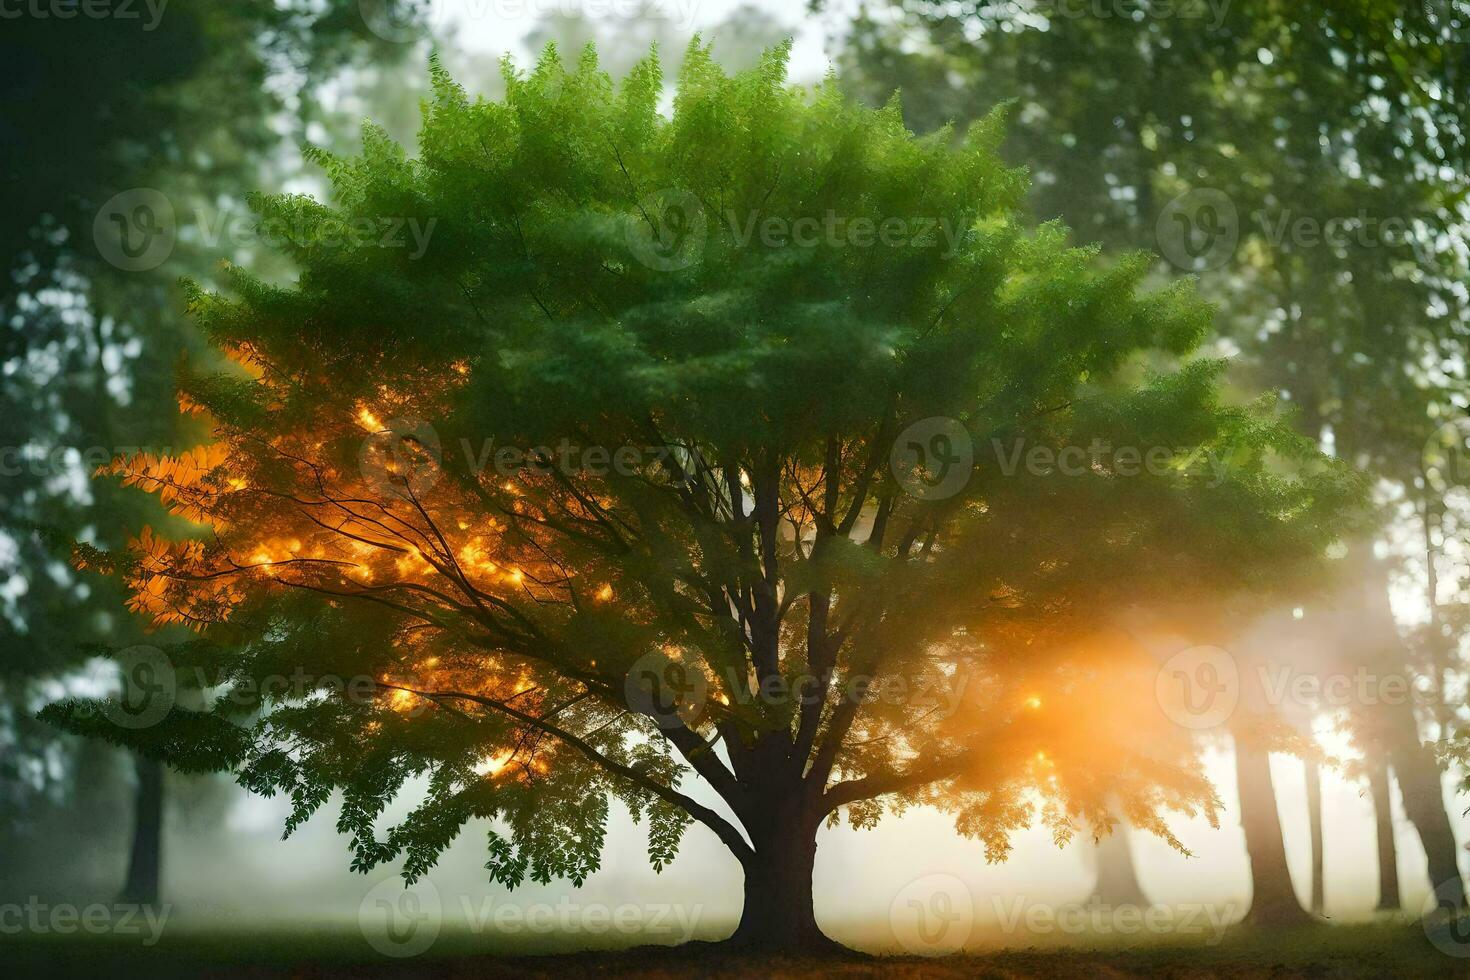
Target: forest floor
1337 951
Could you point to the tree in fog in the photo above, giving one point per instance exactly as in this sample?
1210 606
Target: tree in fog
687 448
178 108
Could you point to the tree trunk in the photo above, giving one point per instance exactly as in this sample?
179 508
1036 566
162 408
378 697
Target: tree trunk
1314 821
778 914
1418 777
145 862
1415 768
1273 900
1388 862
1116 885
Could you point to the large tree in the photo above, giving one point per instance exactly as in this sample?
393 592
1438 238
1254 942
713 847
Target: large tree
759 344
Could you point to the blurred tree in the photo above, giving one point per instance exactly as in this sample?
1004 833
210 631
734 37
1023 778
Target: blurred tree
1308 161
769 562
182 106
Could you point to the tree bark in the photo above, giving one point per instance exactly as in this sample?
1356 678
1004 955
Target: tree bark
778 914
1273 899
1388 862
145 862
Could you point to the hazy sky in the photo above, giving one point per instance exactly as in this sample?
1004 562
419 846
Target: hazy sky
497 26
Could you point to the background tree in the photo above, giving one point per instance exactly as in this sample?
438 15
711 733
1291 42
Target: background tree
186 104
1236 139
713 564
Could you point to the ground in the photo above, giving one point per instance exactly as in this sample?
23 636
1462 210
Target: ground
1384 950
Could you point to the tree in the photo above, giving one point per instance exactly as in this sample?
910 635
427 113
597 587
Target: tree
173 103
654 463
1306 116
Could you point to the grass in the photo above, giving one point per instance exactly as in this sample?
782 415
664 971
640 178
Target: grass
1379 950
